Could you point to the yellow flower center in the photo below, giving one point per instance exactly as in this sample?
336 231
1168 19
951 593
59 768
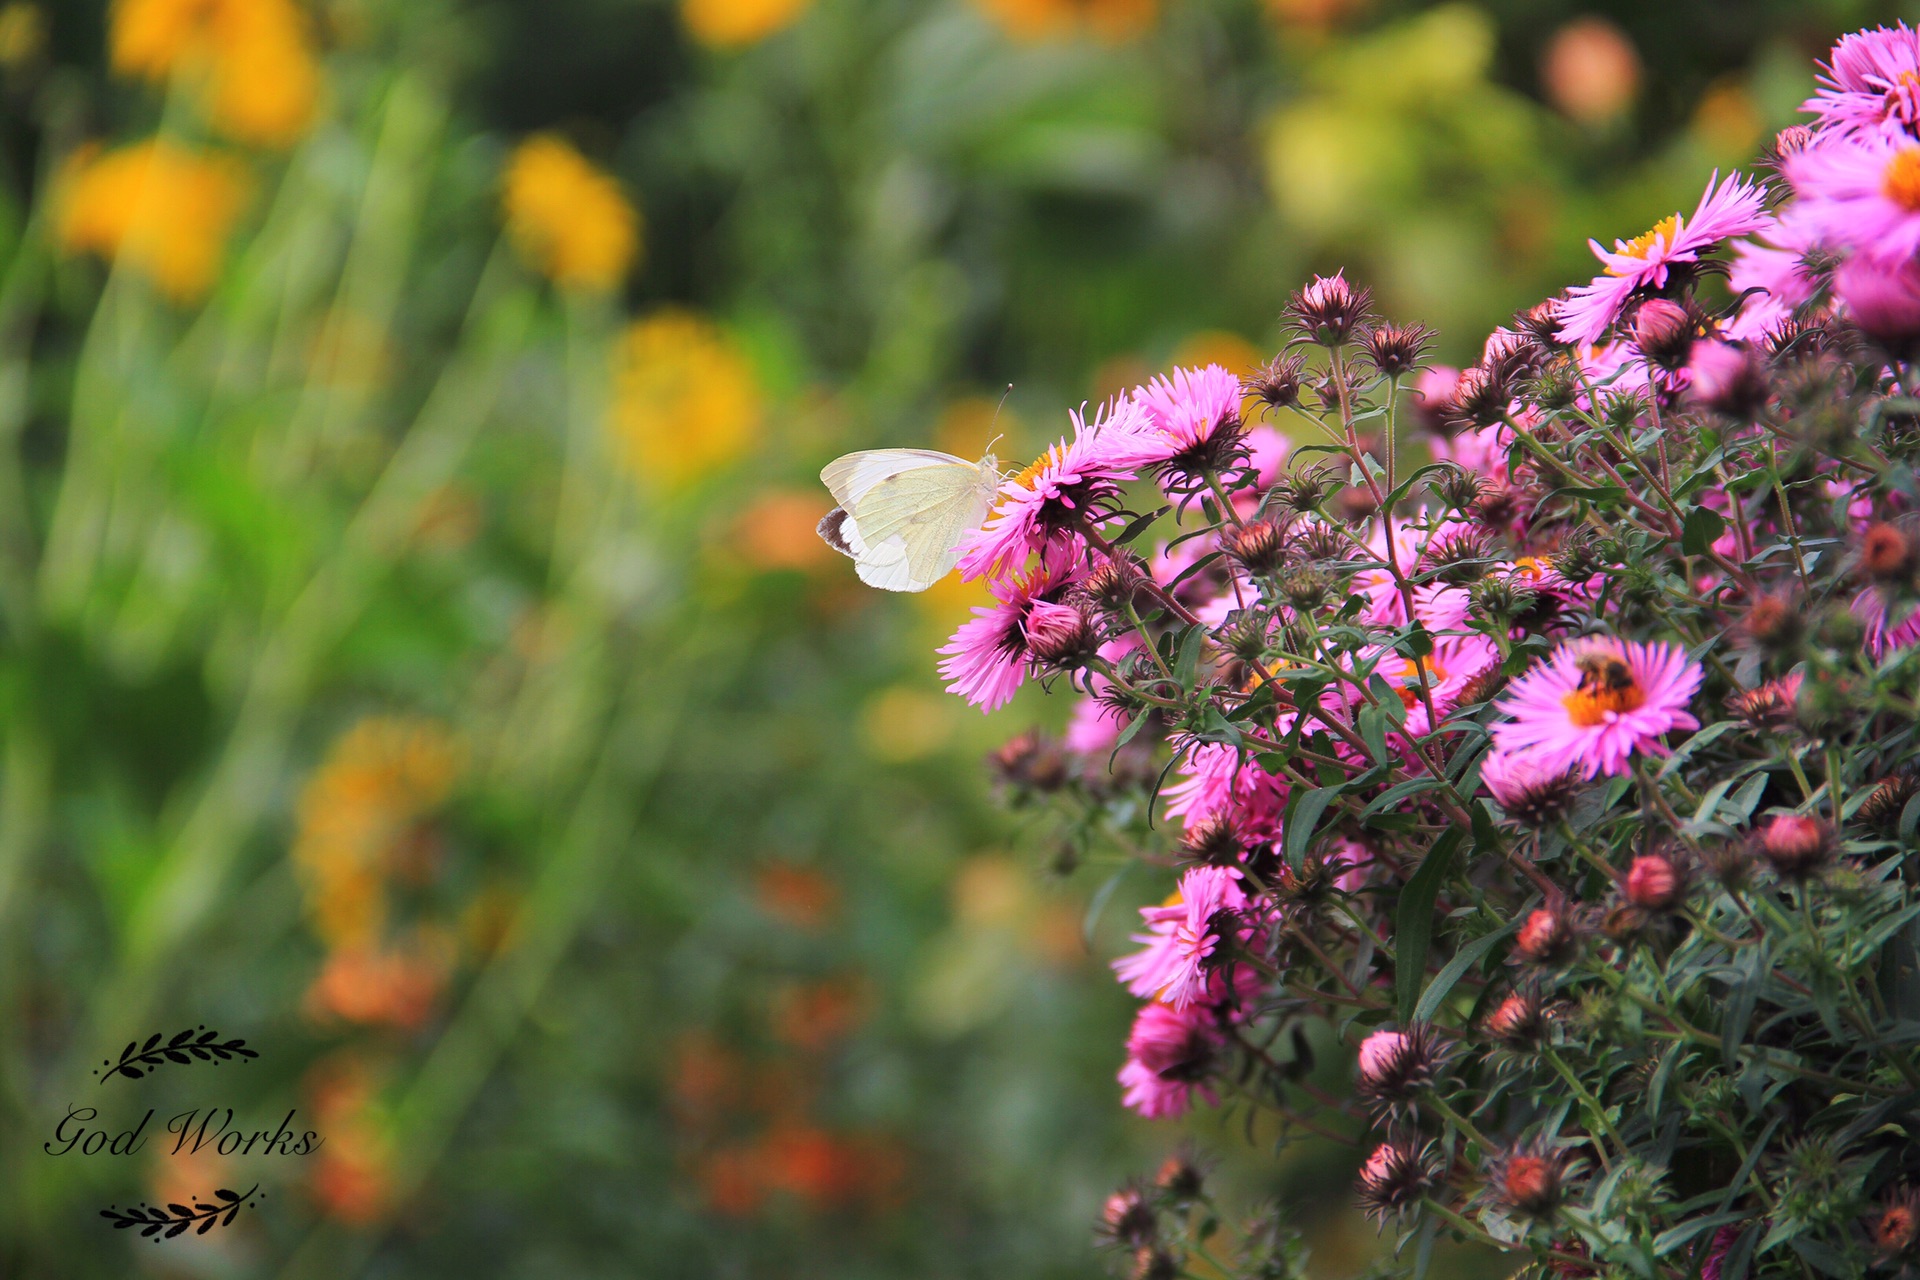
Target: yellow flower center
1530 568
1030 477
1902 184
1643 245
1606 685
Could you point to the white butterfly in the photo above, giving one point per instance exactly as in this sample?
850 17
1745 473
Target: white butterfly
903 512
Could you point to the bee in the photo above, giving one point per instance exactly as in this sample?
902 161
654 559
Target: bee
1604 674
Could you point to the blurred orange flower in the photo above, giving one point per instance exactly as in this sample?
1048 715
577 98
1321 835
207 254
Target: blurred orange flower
1590 70
568 217
814 1016
159 208
383 986
734 24
800 896
686 401
357 815
778 531
352 1172
252 61
1110 20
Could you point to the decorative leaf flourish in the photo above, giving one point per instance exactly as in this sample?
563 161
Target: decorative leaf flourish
166 1222
137 1059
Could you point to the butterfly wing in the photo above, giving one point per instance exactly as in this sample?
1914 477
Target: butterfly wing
904 512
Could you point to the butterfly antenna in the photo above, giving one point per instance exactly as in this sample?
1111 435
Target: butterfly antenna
996 417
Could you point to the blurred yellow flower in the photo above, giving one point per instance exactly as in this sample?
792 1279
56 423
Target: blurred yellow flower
252 61
1111 20
685 399
734 24
569 218
1728 121
166 211
357 819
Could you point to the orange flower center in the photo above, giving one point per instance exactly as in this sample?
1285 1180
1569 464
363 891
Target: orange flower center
1642 246
1902 184
1410 673
1030 476
1606 685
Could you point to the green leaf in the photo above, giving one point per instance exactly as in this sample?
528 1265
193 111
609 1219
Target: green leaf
1303 816
1189 659
1413 921
1138 526
1463 960
1702 529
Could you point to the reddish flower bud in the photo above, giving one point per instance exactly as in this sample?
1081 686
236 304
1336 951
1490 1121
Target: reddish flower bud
1180 1176
1396 349
1531 1181
1773 622
1546 937
1128 1219
1768 706
1155 1264
1887 554
1216 842
1653 883
1796 844
1395 1176
1896 1231
1519 1021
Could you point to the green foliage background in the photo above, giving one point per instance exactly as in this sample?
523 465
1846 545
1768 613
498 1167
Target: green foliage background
211 572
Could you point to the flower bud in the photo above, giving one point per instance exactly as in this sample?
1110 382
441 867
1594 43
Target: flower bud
1180 1177
1896 1229
1061 635
1541 321
1396 349
1884 805
1884 301
1664 332
1545 938
1303 490
1276 384
1394 1065
1458 487
1768 707
1480 399
1216 842
1789 142
1530 1181
1887 554
1520 1020
1653 883
1128 1218
1155 1264
1460 556
1031 761
1796 844
1305 589
1773 622
1114 584
1329 310
1258 546
1728 379
1395 1176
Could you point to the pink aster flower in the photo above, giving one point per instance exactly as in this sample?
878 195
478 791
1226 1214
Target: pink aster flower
987 658
1187 424
1595 702
1170 1054
1883 299
1730 208
1176 964
1776 265
1075 482
1887 630
1860 193
1215 783
1868 83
